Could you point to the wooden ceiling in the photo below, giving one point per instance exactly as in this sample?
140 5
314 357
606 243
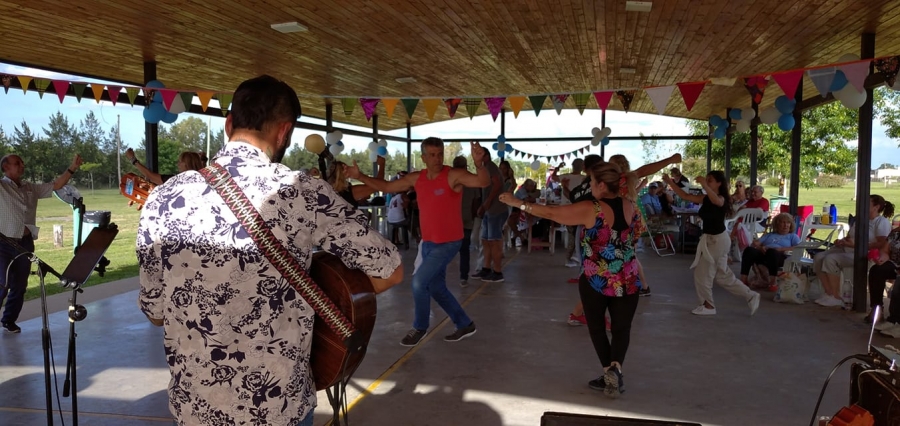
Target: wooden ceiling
452 48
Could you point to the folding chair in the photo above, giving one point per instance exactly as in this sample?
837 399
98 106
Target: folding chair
655 227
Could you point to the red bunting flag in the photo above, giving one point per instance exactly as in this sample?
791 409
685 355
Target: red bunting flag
788 82
113 93
691 92
61 87
168 96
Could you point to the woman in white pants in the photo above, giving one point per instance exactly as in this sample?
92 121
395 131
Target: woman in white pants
711 262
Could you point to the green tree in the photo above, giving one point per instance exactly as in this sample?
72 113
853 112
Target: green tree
6 145
650 147
451 151
190 134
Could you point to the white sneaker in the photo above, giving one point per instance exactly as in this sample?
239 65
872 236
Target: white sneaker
823 300
892 332
703 310
885 325
831 302
571 263
754 303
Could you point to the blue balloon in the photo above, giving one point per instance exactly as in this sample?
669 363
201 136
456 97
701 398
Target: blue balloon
169 117
154 114
156 84
501 138
382 151
508 148
840 80
340 143
501 154
715 120
786 122
494 146
720 132
149 116
735 114
604 141
785 105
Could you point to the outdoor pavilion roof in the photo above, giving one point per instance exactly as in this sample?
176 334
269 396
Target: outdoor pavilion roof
458 48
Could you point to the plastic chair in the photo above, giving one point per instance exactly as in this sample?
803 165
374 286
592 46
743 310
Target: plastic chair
655 227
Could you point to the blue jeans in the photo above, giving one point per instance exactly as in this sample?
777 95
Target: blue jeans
13 289
464 254
430 281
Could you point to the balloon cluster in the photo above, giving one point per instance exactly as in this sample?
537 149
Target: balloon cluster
720 125
315 144
335 146
742 118
845 92
600 136
156 111
377 149
502 147
782 113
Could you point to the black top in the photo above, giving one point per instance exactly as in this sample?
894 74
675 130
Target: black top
164 178
582 192
619 223
683 182
713 217
347 194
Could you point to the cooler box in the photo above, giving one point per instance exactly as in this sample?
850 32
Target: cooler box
802 213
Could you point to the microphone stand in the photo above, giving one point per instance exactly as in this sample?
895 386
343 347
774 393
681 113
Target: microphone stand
76 312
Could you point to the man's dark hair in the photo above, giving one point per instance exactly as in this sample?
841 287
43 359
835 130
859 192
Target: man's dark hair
592 160
3 162
433 142
261 101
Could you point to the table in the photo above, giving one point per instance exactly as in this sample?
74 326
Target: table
684 215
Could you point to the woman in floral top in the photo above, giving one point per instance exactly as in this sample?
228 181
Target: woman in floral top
610 280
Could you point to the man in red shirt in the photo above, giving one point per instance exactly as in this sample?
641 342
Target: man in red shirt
439 190
756 200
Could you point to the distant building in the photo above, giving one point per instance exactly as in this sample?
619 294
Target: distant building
887 174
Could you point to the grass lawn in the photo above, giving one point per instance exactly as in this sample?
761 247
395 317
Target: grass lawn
123 263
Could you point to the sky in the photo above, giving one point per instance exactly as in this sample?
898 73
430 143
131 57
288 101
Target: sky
16 107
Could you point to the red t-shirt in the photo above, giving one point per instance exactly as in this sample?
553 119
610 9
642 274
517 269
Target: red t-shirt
761 203
440 214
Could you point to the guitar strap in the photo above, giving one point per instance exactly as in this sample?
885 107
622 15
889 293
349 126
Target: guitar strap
219 179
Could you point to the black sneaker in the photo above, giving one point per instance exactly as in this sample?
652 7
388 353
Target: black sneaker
463 282
413 337
598 384
493 277
461 333
615 383
482 273
644 291
11 327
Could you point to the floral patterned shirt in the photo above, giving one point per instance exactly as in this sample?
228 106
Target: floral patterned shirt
237 335
610 264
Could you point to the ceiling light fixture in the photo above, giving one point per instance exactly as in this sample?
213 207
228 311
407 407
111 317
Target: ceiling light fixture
638 6
403 80
289 27
627 70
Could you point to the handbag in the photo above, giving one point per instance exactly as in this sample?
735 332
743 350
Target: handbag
792 286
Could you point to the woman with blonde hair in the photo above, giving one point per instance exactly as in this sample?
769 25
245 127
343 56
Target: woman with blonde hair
610 280
771 250
340 182
188 160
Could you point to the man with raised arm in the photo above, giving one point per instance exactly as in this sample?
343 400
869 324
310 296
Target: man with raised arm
439 190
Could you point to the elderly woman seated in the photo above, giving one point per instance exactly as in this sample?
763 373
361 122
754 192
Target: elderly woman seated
771 250
829 264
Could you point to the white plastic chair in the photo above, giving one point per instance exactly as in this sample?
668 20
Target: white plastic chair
749 216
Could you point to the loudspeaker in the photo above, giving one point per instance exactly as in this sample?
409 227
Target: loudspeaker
877 393
569 419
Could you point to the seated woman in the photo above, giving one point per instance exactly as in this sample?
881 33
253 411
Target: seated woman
771 250
188 160
348 191
828 264
739 198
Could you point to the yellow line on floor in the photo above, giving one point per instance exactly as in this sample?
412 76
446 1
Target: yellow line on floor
168 420
402 360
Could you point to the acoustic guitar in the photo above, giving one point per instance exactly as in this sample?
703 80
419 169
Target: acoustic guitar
136 189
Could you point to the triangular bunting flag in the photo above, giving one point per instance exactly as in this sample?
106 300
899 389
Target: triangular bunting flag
889 68
856 73
537 102
389 105
132 93
368 105
431 106
581 100
690 92
452 105
149 95
559 101
756 85
61 87
723 81
409 104
788 82
472 105
41 84
224 101
168 96
114 93
625 97
348 104
98 91
516 103
494 106
603 99
24 81
78 89
6 79
177 106
822 79
204 99
187 98
660 97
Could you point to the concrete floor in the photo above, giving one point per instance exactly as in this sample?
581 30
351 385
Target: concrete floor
731 369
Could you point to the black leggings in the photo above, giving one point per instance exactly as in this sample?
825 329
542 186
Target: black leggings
878 274
621 313
771 259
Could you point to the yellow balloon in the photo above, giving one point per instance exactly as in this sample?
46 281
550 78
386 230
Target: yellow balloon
315 144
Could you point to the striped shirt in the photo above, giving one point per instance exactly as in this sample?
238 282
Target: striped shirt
18 206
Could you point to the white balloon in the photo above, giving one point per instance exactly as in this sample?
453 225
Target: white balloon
605 132
596 140
848 57
332 138
769 115
373 146
748 114
850 98
373 156
334 149
595 131
535 165
742 126
382 142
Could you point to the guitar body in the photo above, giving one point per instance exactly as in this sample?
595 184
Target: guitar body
135 188
352 292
